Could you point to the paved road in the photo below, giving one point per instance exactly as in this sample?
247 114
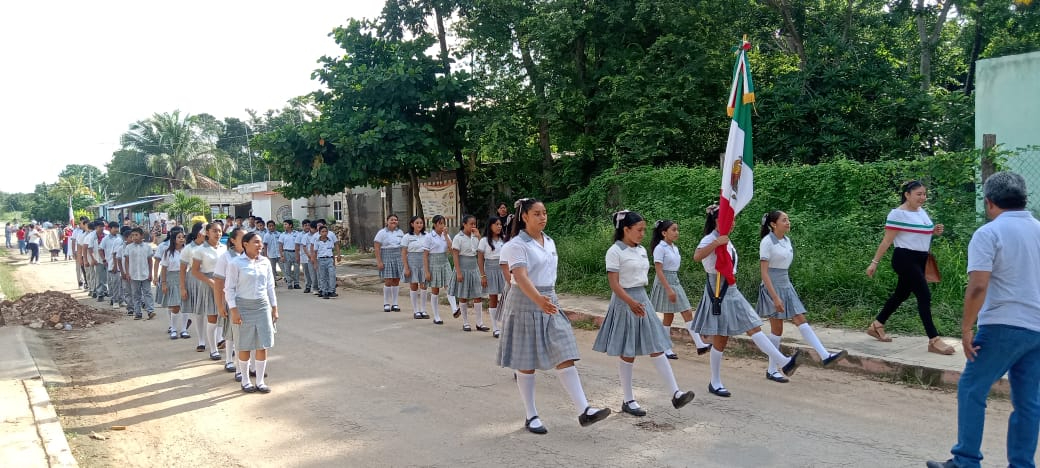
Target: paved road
354 386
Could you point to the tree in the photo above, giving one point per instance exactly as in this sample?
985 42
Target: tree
184 205
74 189
178 150
130 178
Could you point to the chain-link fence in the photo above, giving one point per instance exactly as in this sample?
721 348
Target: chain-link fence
1026 161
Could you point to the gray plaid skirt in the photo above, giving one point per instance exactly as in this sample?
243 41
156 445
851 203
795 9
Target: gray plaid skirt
625 334
191 285
415 267
392 265
496 281
782 284
532 339
441 274
659 295
205 303
160 296
737 315
171 298
470 287
257 328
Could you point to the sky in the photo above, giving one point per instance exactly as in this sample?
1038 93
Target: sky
74 75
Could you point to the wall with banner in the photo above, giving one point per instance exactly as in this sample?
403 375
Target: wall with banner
440 198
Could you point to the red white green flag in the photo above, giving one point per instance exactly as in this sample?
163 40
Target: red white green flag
737 184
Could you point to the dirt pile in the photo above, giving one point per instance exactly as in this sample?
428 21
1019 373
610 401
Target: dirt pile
52 309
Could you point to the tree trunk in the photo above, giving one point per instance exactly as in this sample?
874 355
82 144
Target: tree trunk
388 201
542 108
929 40
794 38
976 49
460 163
413 182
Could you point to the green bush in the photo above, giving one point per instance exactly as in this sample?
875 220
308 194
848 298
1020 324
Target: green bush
837 213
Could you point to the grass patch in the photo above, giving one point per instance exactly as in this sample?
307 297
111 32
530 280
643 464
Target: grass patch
7 282
584 324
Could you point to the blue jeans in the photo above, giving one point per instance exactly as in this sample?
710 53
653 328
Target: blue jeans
1003 349
21 247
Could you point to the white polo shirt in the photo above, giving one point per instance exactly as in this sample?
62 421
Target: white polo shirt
778 252
466 245
630 263
668 256
1009 248
539 260
489 253
709 261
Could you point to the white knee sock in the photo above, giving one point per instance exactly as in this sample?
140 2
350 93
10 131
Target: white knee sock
525 382
767 347
252 362
386 295
572 384
243 368
494 323
668 333
210 344
813 340
772 362
478 308
200 330
261 367
465 313
229 353
424 297
171 319
184 321
414 296
218 334
395 293
453 303
624 370
665 370
697 341
716 368
434 306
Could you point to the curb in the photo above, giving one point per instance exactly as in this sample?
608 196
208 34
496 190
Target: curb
48 426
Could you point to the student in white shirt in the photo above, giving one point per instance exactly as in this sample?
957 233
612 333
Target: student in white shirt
204 262
137 266
304 247
388 261
667 294
231 331
273 247
631 327
290 257
77 233
412 259
170 265
323 251
112 243
435 265
190 285
97 259
489 252
777 299
909 228
467 287
249 291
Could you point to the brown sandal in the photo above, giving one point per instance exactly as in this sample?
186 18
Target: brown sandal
877 330
938 346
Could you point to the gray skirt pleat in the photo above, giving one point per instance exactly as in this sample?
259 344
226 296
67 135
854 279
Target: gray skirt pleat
625 334
392 265
415 268
788 296
659 295
441 274
532 339
171 298
160 296
496 281
737 315
204 303
191 285
257 328
470 287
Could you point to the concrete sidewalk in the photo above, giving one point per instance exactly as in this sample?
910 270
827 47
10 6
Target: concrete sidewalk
31 432
905 359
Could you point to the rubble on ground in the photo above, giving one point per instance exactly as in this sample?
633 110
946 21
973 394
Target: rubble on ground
54 310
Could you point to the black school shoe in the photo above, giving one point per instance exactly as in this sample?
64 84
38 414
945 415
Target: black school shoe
682 399
792 366
627 408
535 430
586 419
834 358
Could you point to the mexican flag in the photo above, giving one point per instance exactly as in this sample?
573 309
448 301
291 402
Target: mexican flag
737 184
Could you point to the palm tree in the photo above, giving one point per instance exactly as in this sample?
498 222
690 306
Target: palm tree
185 205
71 187
179 150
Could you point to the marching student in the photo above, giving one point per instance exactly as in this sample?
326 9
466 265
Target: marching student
97 259
412 259
156 277
234 249
667 295
77 233
170 266
535 335
334 252
190 285
631 327
124 283
388 261
777 299
290 259
112 244
137 267
249 290
733 315
435 265
203 262
273 247
489 252
323 249
306 255
81 255
467 285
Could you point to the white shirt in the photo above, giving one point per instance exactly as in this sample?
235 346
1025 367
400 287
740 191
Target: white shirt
913 229
94 245
466 245
668 256
389 239
1009 248
161 249
303 245
187 255
630 263
112 244
220 269
77 234
539 260
249 279
778 252
324 248
207 256
273 243
288 240
489 253
435 243
412 242
172 262
709 261
137 261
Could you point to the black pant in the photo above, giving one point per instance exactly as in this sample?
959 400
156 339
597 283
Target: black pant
909 265
34 251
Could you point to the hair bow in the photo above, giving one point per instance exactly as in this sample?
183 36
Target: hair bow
711 209
520 202
619 217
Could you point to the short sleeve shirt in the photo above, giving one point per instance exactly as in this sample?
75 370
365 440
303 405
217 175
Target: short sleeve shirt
288 240
489 253
630 263
913 229
324 248
709 261
668 256
389 239
1009 249
466 245
172 261
273 243
540 260
207 256
435 243
778 252
220 269
137 261
412 242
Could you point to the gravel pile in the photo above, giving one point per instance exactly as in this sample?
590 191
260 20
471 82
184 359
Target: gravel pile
53 309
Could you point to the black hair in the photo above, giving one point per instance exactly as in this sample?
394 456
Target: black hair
113 224
767 219
195 230
125 231
501 204
411 230
391 215
257 218
436 219
490 235
522 206
467 217
137 230
246 238
660 227
711 220
907 188
271 221
289 222
622 220
231 237
172 237
172 233
322 221
305 223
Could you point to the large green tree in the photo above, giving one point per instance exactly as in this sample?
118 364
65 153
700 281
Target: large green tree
178 149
